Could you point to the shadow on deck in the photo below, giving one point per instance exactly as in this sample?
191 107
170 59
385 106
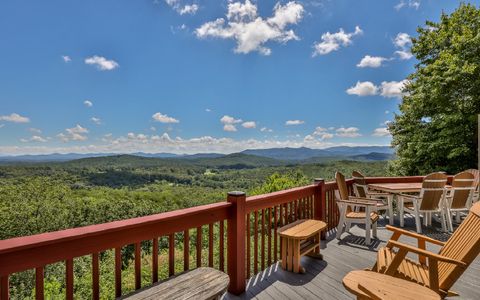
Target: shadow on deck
323 279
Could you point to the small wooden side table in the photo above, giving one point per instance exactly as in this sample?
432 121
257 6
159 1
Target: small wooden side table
375 286
300 238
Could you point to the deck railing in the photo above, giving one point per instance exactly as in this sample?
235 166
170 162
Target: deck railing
250 234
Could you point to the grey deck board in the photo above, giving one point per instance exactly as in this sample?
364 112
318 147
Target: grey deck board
323 279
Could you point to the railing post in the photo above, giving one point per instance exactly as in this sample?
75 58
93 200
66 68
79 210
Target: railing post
236 243
320 201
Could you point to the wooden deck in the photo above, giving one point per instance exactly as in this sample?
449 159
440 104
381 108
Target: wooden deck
323 279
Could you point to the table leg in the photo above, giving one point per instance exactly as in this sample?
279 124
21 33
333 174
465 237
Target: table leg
284 253
296 256
315 253
290 255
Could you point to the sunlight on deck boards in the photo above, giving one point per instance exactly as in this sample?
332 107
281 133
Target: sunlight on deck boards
323 279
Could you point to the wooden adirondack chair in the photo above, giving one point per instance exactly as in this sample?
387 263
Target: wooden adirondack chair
355 210
361 190
459 197
430 200
476 175
437 271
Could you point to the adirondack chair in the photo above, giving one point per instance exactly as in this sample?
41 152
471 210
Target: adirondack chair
361 190
437 271
430 200
476 175
351 210
459 197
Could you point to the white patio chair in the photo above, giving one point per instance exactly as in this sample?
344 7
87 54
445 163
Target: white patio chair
459 197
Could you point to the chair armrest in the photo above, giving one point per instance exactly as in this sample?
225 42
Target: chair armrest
425 253
414 235
364 201
412 197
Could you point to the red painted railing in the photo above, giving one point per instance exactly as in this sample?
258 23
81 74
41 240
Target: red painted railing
251 236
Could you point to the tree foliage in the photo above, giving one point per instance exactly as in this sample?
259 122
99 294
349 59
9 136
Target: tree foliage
436 129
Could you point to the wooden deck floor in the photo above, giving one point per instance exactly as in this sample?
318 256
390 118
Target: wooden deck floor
323 279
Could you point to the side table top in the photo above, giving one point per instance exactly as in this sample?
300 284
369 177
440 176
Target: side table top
302 229
375 285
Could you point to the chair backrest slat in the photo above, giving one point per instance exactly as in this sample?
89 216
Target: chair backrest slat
476 175
360 184
433 191
463 186
342 188
463 245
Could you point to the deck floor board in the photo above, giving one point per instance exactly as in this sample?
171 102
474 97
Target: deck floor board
323 279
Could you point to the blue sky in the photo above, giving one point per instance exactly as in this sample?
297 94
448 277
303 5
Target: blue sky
190 76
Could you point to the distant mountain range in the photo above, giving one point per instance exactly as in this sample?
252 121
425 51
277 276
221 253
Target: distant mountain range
296 155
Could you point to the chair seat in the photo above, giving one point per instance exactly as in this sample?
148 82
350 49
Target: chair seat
408 269
361 215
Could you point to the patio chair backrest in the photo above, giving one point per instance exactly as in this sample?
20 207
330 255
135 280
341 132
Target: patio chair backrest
359 184
342 188
433 191
463 186
476 175
463 245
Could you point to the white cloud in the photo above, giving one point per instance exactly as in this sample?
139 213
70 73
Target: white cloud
387 112
229 120
371 61
159 117
350 132
411 3
208 110
265 129
382 131
229 127
34 130
88 103
322 133
294 122
403 42
76 133
333 41
365 88
66 58
249 124
190 9
392 89
250 31
96 120
37 138
15 118
101 63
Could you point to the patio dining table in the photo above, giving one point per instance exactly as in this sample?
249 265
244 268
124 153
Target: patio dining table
397 188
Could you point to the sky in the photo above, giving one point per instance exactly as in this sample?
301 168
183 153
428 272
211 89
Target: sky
190 76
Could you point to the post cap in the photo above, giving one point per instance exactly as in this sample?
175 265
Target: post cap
236 193
316 180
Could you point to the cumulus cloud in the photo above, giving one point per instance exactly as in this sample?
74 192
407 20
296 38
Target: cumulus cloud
229 123
371 61
392 89
250 31
88 103
229 127
382 131
249 124
388 89
294 122
333 41
66 58
96 120
77 133
159 117
411 3
322 133
14 118
102 63
265 129
350 132
365 88
176 5
403 42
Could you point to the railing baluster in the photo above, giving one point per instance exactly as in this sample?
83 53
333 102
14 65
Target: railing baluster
262 254
280 224
155 260
269 234
171 254
138 266
221 243
4 288
118 272
39 282
69 279
248 245
275 238
210 245
186 250
199 246
95 277
290 217
255 243
295 205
